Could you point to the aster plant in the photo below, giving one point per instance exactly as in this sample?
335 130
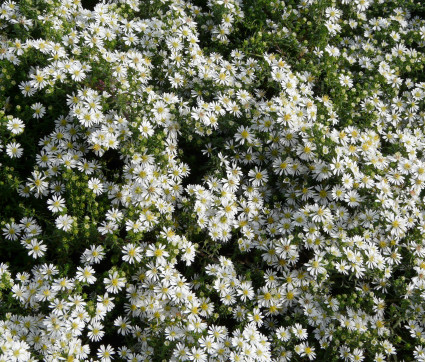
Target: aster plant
221 180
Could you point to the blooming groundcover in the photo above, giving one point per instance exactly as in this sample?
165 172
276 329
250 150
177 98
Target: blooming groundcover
223 180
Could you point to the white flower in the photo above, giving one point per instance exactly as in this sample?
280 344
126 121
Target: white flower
95 332
14 150
257 176
114 215
308 351
86 274
107 227
188 253
36 248
114 283
56 204
11 231
146 129
353 198
95 185
15 126
26 89
64 222
181 351
243 135
123 325
39 110
245 291
283 334
332 51
320 213
19 350
93 255
159 252
105 353
197 355
315 267
345 81
106 302
132 253
76 72
39 79
38 182
333 14
397 225
256 317
299 332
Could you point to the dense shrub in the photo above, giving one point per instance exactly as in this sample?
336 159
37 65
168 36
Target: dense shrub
224 180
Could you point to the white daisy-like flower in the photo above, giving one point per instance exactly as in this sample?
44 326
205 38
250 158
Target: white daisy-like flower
15 126
86 274
39 110
96 185
36 248
64 222
132 253
56 204
14 150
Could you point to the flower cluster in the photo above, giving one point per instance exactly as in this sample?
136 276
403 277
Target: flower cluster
234 181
